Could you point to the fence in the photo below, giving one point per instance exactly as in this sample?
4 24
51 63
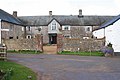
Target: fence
3 52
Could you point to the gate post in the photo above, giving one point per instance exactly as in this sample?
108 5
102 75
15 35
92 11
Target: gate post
59 42
39 42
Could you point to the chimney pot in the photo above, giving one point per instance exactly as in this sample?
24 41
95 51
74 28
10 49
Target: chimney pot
50 13
80 12
15 13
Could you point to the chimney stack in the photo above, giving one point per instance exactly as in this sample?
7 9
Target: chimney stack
80 12
50 13
15 13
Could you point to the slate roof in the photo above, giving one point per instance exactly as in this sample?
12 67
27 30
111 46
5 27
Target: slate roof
72 20
112 21
4 16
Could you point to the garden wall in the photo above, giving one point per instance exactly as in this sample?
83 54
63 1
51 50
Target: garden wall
75 44
25 44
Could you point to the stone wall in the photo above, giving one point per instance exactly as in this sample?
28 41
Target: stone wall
44 32
25 44
59 42
78 32
76 44
15 31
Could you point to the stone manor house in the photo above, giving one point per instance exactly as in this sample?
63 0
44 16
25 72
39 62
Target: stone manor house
70 26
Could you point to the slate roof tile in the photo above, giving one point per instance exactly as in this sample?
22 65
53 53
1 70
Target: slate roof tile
4 16
72 20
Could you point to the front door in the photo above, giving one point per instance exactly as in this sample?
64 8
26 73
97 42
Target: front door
53 38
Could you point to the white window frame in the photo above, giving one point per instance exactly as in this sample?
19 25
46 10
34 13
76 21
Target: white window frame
38 28
90 29
53 26
63 27
28 28
29 36
67 36
11 27
86 38
23 28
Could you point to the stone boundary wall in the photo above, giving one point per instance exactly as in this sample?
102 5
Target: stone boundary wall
25 44
59 42
74 44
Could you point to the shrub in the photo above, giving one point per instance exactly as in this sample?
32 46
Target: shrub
108 50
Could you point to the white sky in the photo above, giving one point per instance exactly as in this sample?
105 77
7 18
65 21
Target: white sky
61 7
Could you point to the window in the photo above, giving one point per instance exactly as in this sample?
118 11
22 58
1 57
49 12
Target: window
67 36
38 29
29 37
53 27
10 37
65 27
28 28
23 28
11 27
17 37
88 29
85 37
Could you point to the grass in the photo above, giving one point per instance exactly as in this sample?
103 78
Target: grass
19 72
24 51
97 53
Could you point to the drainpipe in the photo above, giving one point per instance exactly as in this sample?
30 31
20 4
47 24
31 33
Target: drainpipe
104 37
24 32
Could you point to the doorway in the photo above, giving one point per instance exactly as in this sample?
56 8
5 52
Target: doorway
52 38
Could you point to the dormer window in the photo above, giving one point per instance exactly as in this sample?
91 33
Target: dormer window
53 26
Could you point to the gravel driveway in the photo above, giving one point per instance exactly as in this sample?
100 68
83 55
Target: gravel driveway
66 67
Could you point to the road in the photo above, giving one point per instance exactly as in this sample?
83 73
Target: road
67 67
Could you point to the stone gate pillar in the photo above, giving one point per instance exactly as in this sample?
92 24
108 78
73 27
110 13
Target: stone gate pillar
59 42
39 42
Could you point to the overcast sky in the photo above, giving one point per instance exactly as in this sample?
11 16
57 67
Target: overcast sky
61 7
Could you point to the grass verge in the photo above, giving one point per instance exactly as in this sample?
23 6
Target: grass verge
24 51
97 53
19 72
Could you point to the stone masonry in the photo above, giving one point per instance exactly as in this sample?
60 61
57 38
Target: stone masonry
59 42
25 44
76 44
15 31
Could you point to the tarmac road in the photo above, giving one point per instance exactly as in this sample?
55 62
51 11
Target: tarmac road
67 67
